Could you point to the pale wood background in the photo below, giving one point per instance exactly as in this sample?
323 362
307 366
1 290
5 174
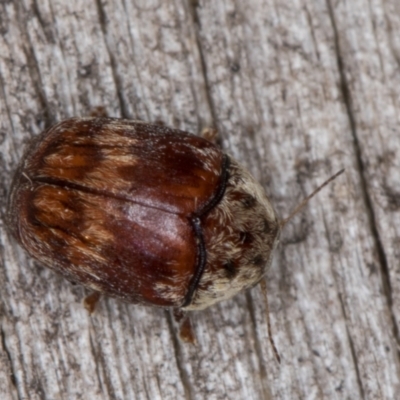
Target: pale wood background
297 89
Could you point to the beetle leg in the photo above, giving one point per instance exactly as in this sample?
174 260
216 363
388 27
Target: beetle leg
91 301
210 134
186 332
99 111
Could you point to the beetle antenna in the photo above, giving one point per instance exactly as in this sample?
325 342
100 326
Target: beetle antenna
283 222
271 339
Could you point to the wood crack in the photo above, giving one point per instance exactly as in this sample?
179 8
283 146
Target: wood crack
34 69
193 4
100 362
352 350
261 364
113 63
10 363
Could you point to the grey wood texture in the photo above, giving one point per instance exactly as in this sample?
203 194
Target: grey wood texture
297 90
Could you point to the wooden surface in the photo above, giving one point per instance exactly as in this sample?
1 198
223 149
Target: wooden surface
297 90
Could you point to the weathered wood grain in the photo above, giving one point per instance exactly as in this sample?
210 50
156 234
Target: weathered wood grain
297 91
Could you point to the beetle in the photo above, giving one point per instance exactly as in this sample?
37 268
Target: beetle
142 212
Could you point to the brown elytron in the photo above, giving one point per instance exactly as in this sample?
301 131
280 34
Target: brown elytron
109 202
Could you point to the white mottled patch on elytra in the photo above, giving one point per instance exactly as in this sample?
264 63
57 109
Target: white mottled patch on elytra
61 160
105 175
112 134
117 156
51 204
209 157
240 233
104 178
172 290
76 248
96 233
